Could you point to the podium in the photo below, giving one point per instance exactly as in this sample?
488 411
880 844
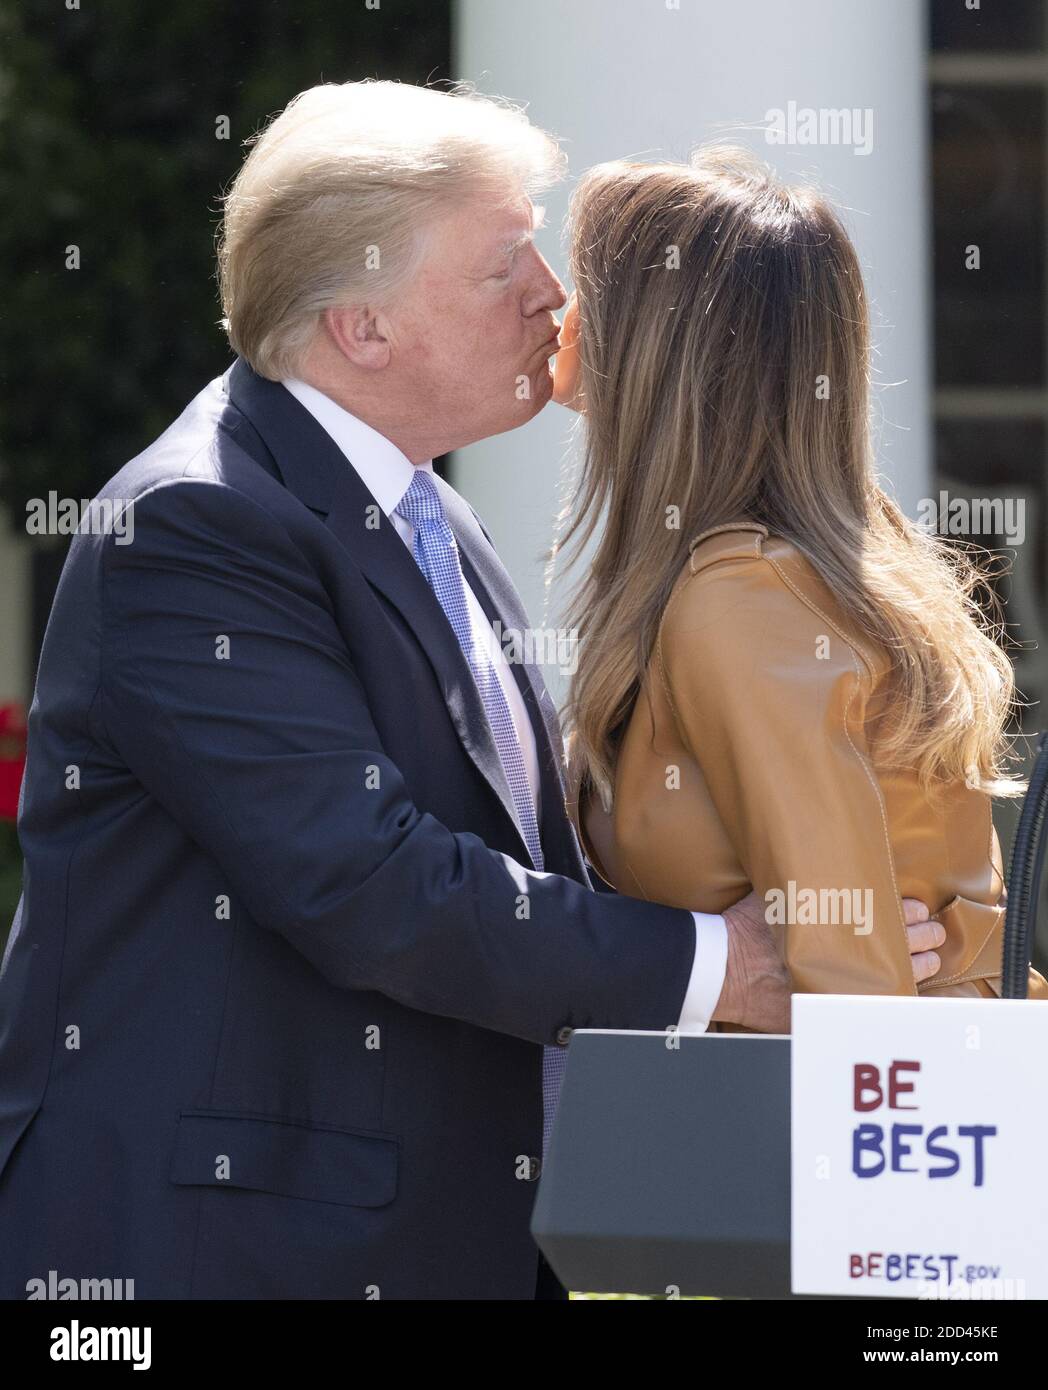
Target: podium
669 1163
669 1166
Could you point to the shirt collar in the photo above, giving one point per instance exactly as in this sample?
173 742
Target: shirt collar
383 469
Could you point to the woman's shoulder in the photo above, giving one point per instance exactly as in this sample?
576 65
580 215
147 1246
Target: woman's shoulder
733 540
744 583
773 559
736 561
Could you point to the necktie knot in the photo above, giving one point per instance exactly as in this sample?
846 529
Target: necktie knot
421 504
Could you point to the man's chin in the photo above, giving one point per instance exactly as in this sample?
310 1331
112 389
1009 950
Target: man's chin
543 392
528 407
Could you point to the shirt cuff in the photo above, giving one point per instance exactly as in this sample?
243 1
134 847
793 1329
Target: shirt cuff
707 973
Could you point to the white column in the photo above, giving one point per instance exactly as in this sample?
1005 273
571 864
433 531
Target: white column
651 79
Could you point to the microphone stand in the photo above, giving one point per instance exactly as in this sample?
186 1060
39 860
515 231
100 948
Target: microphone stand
1024 879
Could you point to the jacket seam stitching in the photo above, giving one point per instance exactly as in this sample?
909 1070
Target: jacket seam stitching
852 649
673 599
849 642
969 974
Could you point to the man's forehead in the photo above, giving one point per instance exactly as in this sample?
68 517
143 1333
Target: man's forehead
513 229
490 228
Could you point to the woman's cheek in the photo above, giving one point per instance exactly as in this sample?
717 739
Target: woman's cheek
565 374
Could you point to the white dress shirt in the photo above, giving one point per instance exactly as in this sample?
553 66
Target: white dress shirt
387 475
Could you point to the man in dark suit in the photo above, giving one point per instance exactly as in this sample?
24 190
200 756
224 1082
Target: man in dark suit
305 929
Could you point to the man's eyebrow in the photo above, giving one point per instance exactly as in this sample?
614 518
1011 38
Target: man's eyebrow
515 243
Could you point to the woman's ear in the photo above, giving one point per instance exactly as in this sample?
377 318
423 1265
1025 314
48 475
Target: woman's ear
566 386
359 334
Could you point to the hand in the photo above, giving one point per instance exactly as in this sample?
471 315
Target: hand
923 934
756 992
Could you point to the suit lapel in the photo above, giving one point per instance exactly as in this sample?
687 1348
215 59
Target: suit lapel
490 581
502 604
313 467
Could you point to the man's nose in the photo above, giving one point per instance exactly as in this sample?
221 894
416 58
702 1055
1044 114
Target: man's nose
549 292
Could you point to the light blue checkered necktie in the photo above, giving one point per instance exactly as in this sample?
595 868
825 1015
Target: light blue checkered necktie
437 557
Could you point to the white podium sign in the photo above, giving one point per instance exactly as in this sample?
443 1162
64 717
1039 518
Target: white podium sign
919 1147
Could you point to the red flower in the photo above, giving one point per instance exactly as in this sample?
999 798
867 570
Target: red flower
12 758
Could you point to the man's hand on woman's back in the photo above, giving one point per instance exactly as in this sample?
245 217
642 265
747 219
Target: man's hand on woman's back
756 991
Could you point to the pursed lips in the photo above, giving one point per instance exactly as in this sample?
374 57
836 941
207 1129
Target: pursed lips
553 340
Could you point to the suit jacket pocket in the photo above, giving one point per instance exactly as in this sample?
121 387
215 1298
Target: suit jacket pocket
290 1158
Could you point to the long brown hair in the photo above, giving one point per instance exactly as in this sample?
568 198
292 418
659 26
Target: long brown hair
725 375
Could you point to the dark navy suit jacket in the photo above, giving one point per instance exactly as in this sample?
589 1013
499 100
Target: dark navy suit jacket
273 1006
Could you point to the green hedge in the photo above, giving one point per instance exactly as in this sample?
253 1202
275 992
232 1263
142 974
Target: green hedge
108 143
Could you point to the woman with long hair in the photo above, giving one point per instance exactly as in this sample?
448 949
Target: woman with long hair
783 684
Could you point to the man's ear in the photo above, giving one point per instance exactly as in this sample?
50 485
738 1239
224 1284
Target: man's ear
359 333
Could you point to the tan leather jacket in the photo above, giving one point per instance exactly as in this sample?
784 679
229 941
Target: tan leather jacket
746 764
